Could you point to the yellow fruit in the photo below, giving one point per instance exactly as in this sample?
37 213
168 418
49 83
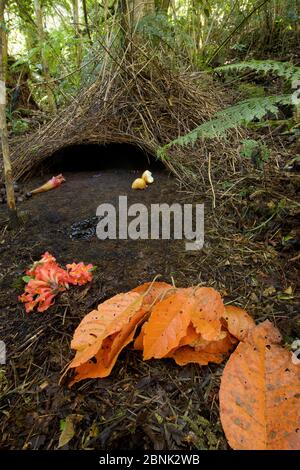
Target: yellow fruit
139 183
147 176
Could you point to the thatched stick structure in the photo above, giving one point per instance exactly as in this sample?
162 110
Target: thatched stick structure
137 101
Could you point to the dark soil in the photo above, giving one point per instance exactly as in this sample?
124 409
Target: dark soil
141 405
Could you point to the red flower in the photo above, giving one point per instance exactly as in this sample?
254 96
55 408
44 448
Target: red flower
46 258
79 273
54 182
53 275
45 299
47 279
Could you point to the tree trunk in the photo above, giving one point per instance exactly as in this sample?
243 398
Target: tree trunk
10 194
4 54
78 48
44 61
162 5
140 8
132 12
85 14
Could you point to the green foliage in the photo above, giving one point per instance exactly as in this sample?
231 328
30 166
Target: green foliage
160 30
255 151
156 26
19 126
240 114
250 90
184 34
285 70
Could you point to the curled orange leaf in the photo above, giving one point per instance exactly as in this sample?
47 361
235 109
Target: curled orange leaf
190 336
153 292
110 317
201 351
238 322
222 346
187 354
167 325
103 362
207 313
138 344
260 394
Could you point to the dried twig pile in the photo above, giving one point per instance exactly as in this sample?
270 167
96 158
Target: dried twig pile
139 101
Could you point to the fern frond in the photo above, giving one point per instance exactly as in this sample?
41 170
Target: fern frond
282 69
240 114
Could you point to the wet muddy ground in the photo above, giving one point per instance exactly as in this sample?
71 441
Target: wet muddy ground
63 221
143 405
121 411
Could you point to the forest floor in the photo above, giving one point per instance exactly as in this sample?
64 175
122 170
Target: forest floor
141 405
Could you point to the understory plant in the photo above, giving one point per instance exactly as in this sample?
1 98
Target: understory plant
249 110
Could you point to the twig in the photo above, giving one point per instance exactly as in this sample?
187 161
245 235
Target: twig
210 180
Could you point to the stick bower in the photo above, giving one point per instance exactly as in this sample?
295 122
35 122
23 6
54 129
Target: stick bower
139 102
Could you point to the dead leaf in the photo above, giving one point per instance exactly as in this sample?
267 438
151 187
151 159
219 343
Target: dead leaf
138 344
269 291
68 431
260 394
222 346
202 352
167 325
207 313
238 322
153 292
109 318
191 335
187 354
102 363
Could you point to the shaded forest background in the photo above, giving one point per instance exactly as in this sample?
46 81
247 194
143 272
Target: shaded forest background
53 48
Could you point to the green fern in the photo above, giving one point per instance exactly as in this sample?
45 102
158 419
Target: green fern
282 69
240 114
243 113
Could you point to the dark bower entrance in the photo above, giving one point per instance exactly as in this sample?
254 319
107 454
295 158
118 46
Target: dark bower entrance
101 157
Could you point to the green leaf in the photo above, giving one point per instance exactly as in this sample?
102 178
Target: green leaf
26 278
62 424
283 69
240 114
68 431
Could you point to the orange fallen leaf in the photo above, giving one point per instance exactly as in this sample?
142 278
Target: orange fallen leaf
191 335
138 344
207 313
221 346
187 354
94 367
103 362
124 337
238 322
110 317
260 394
167 325
153 292
201 351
